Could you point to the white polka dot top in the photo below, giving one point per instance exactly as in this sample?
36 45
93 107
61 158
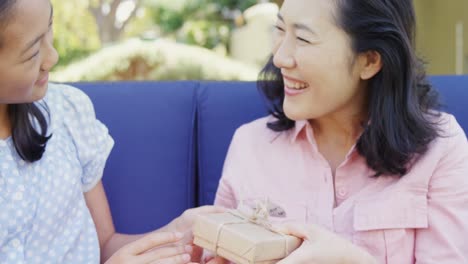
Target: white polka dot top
43 214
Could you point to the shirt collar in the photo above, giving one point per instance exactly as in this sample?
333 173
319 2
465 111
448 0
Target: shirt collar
300 126
303 128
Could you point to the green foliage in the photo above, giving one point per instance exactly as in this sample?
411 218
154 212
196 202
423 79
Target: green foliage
206 23
137 26
204 33
241 5
75 33
71 55
155 60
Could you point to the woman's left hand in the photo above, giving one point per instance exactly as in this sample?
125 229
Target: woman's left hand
321 246
184 223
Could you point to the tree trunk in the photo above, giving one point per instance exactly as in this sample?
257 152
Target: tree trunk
108 29
278 2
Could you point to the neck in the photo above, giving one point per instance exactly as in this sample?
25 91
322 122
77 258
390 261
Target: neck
5 126
341 129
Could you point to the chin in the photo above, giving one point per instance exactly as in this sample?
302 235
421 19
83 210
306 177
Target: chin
295 112
295 115
39 92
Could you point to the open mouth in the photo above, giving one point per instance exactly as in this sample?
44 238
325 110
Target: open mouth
295 85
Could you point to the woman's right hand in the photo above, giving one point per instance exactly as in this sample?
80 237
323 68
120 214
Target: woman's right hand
322 246
154 248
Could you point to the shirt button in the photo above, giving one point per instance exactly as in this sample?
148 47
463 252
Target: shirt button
342 192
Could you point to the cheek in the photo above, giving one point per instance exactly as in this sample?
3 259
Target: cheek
326 70
311 61
18 90
329 82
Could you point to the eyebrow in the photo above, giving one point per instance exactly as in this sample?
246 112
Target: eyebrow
34 41
299 26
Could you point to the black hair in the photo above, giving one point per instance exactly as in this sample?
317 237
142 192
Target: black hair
402 105
29 143
6 7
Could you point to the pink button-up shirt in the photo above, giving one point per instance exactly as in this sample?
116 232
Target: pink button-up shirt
420 218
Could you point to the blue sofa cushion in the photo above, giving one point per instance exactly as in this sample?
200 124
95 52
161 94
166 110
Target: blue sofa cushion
150 174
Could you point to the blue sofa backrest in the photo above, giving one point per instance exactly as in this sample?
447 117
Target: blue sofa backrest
453 92
149 177
172 138
222 108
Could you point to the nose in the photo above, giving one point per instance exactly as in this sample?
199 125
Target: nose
283 54
50 56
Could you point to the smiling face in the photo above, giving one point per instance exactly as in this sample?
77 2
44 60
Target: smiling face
321 74
26 52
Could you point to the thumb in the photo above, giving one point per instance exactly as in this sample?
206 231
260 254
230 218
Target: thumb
296 257
153 240
218 260
297 230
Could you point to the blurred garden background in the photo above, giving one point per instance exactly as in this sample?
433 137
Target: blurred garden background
111 40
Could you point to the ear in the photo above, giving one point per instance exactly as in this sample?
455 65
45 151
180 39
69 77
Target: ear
370 64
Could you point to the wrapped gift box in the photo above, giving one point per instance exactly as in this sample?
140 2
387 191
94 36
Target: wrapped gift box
241 240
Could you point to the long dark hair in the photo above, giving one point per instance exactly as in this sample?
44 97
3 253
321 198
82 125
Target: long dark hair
402 104
29 142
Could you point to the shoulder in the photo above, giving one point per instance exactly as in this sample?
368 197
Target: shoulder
65 100
256 131
449 129
63 93
451 144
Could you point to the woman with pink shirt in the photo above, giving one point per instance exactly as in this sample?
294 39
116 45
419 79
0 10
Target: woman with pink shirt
355 156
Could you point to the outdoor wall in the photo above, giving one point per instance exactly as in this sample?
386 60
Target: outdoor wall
252 43
436 34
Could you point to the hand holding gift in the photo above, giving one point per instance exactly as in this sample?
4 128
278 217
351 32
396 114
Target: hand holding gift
324 247
184 224
243 237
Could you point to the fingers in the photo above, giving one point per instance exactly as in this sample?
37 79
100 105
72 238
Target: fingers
187 237
197 253
306 232
207 209
179 259
298 256
184 222
155 239
297 230
207 256
292 259
172 253
217 260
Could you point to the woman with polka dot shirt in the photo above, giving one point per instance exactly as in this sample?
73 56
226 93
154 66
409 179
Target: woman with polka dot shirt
53 208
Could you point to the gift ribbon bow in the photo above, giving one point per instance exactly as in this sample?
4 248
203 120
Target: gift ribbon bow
258 215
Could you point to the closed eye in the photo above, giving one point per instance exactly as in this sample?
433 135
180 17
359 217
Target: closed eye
33 56
37 53
279 28
303 40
